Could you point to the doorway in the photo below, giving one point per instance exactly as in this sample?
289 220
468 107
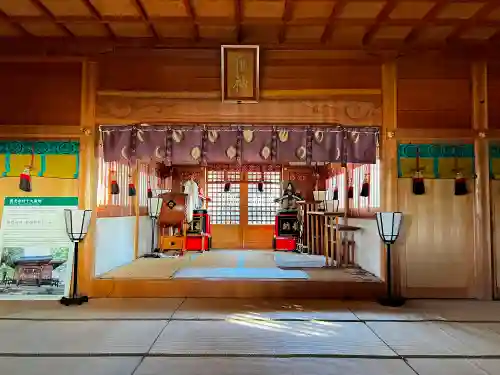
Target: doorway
243 217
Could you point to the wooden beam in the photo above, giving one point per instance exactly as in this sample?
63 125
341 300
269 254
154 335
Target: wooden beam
265 94
338 7
16 25
192 15
285 18
426 135
238 17
476 20
97 16
48 14
483 259
429 17
383 16
145 17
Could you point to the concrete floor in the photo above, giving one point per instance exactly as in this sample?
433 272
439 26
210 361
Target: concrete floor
227 337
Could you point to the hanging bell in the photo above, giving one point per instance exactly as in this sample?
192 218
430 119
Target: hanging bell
350 192
150 193
460 185
25 180
365 189
418 185
336 194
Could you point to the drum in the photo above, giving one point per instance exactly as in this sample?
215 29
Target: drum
173 209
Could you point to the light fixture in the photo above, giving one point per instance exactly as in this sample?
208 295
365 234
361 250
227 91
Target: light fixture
389 226
77 227
154 209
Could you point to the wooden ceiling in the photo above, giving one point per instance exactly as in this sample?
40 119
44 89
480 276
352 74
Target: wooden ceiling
335 24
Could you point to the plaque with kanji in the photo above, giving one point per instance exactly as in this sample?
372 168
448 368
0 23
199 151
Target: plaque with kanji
240 74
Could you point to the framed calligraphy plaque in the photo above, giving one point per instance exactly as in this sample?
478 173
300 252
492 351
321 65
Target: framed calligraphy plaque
240 74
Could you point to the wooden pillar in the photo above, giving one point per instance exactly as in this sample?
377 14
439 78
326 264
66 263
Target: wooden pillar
388 162
88 173
483 277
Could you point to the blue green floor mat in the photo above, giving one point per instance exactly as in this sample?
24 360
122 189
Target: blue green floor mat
239 273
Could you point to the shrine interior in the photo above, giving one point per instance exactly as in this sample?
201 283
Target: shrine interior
267 202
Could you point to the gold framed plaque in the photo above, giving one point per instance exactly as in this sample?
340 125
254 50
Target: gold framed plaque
240 74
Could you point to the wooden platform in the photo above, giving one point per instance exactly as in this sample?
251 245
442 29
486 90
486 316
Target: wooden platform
150 277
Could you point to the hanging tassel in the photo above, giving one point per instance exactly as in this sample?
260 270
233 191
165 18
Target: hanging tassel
365 188
227 187
460 185
260 185
115 189
131 188
418 185
350 192
336 194
460 181
25 180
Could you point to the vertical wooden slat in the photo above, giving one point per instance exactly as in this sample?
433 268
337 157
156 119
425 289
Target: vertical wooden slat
135 200
483 276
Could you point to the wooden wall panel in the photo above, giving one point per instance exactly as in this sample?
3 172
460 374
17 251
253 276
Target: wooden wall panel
436 241
494 95
40 93
434 94
200 72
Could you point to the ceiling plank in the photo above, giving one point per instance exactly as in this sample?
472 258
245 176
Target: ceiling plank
145 17
383 16
285 18
192 15
48 14
479 18
338 7
97 16
429 17
238 17
16 25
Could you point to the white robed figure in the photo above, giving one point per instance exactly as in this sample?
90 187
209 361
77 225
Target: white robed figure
192 200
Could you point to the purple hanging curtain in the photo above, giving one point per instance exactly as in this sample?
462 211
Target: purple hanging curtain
193 144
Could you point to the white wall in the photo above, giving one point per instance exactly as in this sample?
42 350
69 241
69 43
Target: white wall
114 245
144 235
368 245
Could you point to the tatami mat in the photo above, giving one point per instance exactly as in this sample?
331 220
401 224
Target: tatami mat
426 366
254 335
147 268
71 366
239 273
106 308
436 338
272 366
292 260
84 337
224 308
